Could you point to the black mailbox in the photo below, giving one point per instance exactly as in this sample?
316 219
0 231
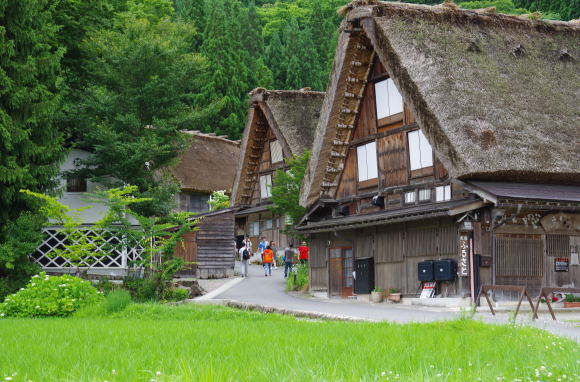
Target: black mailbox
445 270
425 271
365 275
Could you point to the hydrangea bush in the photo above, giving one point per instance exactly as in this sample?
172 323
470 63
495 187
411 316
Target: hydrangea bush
46 296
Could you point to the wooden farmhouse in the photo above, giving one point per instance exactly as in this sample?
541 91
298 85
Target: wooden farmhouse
446 134
280 125
208 165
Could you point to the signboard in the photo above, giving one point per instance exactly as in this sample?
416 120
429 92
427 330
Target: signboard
561 264
463 256
428 289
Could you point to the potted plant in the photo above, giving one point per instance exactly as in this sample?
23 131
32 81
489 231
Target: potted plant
394 295
571 301
377 294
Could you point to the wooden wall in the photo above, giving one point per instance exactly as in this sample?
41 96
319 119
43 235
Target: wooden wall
186 249
397 250
211 247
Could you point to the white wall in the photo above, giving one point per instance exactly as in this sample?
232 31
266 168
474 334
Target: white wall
75 200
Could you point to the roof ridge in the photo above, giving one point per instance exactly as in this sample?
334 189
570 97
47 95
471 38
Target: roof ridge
211 136
449 8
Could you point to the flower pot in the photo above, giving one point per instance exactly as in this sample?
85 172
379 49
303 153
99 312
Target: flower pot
376 296
575 304
394 297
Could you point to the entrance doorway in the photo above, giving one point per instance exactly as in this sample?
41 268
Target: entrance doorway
341 263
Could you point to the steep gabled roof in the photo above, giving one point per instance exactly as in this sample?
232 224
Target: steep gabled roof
497 96
208 165
292 116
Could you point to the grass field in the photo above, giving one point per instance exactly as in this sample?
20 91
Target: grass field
207 343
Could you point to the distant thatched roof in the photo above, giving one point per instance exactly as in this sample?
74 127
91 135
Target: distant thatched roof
208 165
497 96
291 114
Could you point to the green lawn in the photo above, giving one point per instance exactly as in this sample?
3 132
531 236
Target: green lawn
207 343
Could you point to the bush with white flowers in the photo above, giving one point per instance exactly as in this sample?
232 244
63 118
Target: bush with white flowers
46 296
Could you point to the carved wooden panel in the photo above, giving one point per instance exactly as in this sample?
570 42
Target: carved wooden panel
392 157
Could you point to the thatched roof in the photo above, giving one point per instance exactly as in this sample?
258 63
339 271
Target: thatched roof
497 96
291 114
208 165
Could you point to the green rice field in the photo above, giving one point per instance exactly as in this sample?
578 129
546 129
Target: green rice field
151 342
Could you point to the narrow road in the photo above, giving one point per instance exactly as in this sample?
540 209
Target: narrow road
270 292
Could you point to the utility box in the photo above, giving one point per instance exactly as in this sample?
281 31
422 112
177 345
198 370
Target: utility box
364 275
425 270
445 270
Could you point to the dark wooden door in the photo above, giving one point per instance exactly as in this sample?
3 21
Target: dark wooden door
341 266
335 268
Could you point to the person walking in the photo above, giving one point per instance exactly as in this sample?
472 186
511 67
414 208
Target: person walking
303 249
275 250
289 259
248 243
244 259
267 257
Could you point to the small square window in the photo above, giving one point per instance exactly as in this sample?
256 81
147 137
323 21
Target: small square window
276 152
367 161
255 229
388 99
268 224
424 194
265 186
443 193
420 152
410 197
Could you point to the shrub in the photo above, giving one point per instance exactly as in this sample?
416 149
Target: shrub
298 280
50 296
175 294
117 300
141 290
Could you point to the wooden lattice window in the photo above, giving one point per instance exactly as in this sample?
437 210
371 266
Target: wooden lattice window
519 256
76 185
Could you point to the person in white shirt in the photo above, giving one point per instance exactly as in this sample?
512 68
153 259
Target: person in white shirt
244 258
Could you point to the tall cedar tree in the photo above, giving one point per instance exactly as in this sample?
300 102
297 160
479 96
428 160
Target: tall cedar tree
30 141
30 95
141 93
228 82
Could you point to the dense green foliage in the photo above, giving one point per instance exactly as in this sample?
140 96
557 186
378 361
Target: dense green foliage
31 89
286 189
298 279
211 343
22 236
46 296
219 200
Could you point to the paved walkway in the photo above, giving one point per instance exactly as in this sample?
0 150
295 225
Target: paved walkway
269 292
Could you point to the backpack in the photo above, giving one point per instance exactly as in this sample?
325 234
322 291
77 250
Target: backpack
245 255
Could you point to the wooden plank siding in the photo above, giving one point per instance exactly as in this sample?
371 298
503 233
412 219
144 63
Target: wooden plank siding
186 249
348 180
211 246
392 159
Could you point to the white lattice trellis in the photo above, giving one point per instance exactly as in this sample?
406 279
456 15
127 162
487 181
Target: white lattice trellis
111 253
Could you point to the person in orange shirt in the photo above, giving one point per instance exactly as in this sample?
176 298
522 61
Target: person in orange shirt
267 260
303 250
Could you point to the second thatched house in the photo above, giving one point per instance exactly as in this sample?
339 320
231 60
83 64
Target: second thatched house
447 152
280 125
